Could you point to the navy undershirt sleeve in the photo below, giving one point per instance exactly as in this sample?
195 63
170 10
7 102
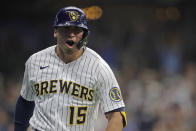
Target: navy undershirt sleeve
116 110
23 112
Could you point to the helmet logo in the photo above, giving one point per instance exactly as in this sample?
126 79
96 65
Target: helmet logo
73 15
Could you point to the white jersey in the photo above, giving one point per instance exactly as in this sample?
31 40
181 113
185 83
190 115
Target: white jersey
67 96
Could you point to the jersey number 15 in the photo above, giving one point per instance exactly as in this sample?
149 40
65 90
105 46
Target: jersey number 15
80 117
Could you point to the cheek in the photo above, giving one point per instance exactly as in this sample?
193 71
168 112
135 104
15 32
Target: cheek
60 41
80 36
61 38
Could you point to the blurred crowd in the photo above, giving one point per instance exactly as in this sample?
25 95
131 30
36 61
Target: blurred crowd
154 63
161 102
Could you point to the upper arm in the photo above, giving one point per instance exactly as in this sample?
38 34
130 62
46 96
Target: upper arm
23 112
109 90
118 114
110 95
110 115
27 91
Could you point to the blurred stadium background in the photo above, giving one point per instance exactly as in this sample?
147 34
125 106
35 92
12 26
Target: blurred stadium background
150 44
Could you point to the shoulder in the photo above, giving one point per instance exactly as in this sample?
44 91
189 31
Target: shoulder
40 54
97 58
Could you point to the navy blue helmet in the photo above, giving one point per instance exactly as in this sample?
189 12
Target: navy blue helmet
72 16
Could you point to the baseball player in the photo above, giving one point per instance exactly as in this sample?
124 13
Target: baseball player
64 84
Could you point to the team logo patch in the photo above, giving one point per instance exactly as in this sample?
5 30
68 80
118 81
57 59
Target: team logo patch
115 94
73 15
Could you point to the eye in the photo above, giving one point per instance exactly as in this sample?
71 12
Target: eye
78 30
66 30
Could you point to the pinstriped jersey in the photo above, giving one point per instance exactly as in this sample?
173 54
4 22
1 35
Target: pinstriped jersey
67 96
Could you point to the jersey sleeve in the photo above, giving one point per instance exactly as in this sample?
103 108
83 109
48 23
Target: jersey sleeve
27 91
108 90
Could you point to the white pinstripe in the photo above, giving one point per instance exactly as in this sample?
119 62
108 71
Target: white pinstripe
51 110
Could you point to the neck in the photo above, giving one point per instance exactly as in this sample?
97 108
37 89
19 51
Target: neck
67 58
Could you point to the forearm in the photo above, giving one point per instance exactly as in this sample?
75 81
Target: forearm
114 122
23 112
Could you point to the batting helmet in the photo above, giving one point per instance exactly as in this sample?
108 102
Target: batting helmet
73 16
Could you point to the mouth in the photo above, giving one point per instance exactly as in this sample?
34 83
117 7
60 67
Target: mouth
70 43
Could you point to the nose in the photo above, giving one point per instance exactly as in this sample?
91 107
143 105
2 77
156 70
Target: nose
71 34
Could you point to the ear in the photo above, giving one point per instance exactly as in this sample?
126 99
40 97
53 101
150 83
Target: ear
55 32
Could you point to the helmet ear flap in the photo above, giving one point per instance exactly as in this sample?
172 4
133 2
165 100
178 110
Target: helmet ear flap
83 42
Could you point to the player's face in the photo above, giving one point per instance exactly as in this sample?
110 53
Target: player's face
68 37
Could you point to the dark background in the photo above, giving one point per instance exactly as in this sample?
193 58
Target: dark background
149 44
